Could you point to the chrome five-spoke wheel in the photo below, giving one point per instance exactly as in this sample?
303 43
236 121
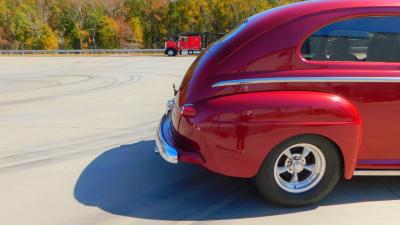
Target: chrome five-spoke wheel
299 168
300 171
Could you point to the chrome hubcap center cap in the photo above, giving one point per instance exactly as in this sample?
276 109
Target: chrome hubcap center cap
296 164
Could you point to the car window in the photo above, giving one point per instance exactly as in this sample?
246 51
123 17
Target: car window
368 39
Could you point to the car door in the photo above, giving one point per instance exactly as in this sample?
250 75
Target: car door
369 48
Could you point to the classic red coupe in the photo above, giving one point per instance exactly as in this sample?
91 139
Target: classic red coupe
295 97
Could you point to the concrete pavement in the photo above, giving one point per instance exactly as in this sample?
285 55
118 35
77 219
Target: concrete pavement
77 148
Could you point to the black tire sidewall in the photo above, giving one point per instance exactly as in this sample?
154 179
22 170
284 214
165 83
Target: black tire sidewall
168 51
268 187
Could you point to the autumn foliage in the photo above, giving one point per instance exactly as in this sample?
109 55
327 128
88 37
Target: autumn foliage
95 24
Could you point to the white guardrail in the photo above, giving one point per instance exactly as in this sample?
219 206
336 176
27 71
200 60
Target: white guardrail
82 51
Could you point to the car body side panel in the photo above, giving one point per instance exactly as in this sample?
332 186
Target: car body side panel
275 49
270 48
236 132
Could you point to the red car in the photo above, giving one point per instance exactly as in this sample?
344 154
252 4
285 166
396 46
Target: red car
295 97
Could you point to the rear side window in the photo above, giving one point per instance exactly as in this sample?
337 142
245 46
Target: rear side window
368 39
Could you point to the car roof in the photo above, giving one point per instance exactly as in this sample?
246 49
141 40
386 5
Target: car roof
283 14
253 37
325 5
293 11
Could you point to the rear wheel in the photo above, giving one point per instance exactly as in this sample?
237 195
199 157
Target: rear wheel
300 171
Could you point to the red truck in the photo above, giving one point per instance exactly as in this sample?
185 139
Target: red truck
189 42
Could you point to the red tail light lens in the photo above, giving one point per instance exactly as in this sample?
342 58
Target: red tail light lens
189 110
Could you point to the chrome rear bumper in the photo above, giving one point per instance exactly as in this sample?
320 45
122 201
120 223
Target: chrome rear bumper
167 152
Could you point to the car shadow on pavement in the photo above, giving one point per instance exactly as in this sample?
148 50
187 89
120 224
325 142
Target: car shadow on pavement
133 181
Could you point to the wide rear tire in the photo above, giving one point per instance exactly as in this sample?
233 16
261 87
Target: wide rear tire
300 171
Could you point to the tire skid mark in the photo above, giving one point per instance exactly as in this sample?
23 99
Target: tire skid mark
58 83
53 83
114 83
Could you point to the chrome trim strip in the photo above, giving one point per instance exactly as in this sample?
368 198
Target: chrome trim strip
307 80
377 173
167 152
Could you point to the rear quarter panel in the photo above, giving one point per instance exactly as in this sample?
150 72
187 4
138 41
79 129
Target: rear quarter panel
238 131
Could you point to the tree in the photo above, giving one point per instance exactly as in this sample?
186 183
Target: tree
107 34
3 12
80 24
92 23
4 43
20 27
137 31
62 19
114 8
151 13
46 39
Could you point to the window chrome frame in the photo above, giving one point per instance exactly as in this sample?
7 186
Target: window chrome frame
311 32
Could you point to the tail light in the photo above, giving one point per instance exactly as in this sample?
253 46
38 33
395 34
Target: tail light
189 110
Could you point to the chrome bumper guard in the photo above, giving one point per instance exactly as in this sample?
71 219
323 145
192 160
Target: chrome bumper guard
167 152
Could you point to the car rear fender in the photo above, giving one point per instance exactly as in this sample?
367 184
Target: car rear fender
252 124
